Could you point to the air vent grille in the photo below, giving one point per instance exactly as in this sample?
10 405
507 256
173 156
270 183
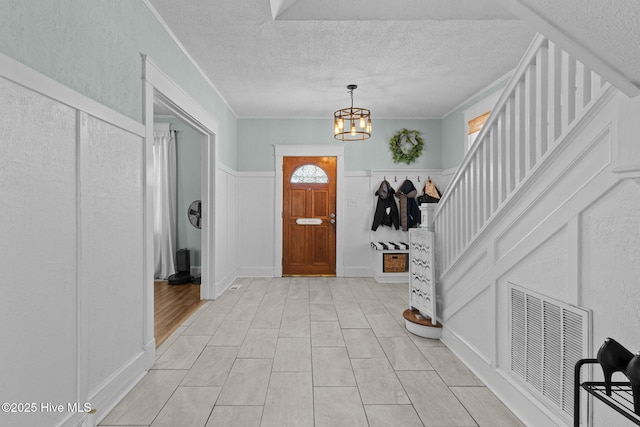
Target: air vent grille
547 338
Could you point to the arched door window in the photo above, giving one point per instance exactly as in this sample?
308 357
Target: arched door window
309 174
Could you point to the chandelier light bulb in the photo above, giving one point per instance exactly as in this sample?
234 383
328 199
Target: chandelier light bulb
353 129
361 123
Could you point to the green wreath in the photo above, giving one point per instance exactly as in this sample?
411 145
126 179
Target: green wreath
406 146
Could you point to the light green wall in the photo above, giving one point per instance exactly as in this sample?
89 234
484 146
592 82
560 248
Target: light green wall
444 139
452 139
256 138
94 47
453 127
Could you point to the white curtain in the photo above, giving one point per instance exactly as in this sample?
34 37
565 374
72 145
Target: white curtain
164 201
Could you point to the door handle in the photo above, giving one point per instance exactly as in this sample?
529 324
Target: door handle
332 221
332 215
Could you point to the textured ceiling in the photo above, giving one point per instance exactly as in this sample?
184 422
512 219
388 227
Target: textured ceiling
409 58
608 30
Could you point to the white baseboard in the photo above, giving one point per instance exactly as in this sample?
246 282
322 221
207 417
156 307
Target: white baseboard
269 272
358 272
255 272
391 277
518 402
108 394
150 353
223 284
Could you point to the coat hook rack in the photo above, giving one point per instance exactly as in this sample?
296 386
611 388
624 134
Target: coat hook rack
395 179
418 178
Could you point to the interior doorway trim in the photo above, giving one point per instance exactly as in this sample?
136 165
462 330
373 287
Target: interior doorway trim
309 150
160 87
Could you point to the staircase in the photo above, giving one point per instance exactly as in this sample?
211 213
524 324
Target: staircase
545 202
549 93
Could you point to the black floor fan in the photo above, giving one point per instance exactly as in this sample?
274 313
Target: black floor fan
183 267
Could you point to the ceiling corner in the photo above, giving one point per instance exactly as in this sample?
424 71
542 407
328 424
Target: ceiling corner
279 6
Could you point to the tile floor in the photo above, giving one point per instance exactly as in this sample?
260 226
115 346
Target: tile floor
307 352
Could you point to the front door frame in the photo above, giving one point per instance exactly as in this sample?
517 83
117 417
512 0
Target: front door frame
282 151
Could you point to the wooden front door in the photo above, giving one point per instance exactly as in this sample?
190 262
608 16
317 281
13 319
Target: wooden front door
308 216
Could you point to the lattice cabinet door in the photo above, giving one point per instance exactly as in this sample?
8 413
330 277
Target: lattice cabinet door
422 286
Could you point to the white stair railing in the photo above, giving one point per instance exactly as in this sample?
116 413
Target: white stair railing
549 92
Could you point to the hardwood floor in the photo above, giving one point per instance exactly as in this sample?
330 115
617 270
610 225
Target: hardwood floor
173 304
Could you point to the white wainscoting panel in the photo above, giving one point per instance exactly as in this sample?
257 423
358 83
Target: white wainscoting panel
584 162
256 194
476 319
610 267
357 224
71 185
464 283
38 252
111 227
544 266
226 229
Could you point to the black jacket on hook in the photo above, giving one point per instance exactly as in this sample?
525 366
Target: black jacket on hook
409 211
386 209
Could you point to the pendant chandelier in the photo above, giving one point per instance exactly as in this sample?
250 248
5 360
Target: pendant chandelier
352 124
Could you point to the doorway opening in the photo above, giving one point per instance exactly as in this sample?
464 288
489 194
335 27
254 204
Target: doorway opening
162 92
177 239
